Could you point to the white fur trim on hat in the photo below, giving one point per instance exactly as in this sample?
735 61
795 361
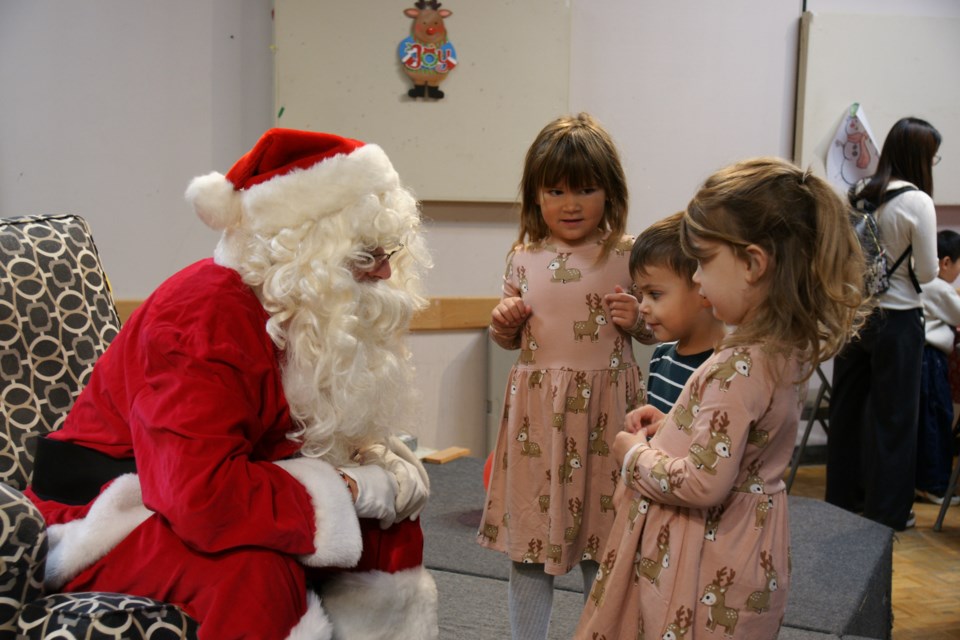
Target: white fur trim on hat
215 200
337 540
299 196
403 604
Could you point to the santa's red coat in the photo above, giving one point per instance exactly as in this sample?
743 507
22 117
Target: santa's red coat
221 517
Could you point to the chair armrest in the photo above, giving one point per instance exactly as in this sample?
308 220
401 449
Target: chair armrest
23 554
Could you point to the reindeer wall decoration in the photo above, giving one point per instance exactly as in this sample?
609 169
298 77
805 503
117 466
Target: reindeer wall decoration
427 55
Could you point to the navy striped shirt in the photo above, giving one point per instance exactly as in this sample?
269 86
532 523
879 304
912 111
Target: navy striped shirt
669 372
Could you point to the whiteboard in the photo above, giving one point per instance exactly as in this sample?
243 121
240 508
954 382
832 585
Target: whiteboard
337 70
893 66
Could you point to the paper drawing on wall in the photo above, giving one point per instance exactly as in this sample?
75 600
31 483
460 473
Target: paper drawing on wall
426 55
853 154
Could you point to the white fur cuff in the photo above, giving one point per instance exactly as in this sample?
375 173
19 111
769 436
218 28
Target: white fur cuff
337 540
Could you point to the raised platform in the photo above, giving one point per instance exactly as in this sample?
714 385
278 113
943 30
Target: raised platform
841 583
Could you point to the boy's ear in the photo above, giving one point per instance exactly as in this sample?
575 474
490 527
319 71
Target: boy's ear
706 304
758 262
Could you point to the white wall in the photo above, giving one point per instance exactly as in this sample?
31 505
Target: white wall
109 107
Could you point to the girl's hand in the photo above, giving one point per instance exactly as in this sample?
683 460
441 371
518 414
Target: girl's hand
625 440
647 417
624 308
510 314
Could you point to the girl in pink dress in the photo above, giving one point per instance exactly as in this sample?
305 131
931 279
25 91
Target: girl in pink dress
706 539
565 306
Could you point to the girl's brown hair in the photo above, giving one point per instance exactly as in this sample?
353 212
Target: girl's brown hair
814 302
577 151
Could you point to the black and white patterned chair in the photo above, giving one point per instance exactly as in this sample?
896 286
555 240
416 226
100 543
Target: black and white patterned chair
57 317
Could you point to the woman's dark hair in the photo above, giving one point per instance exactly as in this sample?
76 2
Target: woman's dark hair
907 155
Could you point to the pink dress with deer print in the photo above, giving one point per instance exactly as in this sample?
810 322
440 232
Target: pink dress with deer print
550 494
701 541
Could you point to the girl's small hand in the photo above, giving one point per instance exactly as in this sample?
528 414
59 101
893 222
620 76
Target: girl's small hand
646 417
625 440
624 308
511 313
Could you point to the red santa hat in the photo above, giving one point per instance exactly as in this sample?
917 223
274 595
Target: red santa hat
291 177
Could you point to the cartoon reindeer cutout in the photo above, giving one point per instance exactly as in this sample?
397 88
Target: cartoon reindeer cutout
527 446
616 361
714 596
759 601
598 443
560 271
685 414
718 446
426 55
606 501
522 275
528 352
636 397
757 437
532 555
668 480
649 568
739 363
571 461
682 622
592 548
578 403
596 318
713 522
575 507
603 574
544 503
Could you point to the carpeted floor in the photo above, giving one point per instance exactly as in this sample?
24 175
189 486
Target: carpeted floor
841 578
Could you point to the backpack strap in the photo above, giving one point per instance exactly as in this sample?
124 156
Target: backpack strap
887 197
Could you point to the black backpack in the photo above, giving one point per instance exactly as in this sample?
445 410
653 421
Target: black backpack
876 277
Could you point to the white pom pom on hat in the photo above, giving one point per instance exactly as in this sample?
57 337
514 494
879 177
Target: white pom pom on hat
290 177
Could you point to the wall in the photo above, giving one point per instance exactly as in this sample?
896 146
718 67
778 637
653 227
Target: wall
110 107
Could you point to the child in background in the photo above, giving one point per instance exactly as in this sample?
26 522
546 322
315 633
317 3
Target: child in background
941 312
706 543
564 306
673 310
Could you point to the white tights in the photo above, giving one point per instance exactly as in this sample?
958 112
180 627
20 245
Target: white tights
531 598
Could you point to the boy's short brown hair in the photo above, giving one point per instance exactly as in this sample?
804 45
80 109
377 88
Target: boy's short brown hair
659 245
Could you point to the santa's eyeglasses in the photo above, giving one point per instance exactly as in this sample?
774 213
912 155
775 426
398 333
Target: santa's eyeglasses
377 260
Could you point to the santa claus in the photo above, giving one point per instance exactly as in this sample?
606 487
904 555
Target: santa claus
234 450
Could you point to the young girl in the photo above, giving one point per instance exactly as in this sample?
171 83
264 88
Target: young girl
564 306
706 541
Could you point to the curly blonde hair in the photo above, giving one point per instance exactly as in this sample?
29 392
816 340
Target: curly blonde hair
814 303
347 374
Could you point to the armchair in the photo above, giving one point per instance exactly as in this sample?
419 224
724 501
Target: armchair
57 317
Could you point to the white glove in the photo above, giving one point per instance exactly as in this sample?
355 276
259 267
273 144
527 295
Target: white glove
376 493
412 480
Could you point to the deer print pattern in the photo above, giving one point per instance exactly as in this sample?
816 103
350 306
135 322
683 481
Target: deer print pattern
719 485
566 398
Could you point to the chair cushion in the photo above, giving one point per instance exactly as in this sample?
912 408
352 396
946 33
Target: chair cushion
23 550
56 318
96 616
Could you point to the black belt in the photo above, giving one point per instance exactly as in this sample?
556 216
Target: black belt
73 474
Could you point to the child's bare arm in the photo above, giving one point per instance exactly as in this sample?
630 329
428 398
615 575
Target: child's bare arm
625 313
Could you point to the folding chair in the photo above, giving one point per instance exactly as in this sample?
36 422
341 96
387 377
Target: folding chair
818 412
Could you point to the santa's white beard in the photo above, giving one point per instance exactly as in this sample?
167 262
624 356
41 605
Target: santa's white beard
347 373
